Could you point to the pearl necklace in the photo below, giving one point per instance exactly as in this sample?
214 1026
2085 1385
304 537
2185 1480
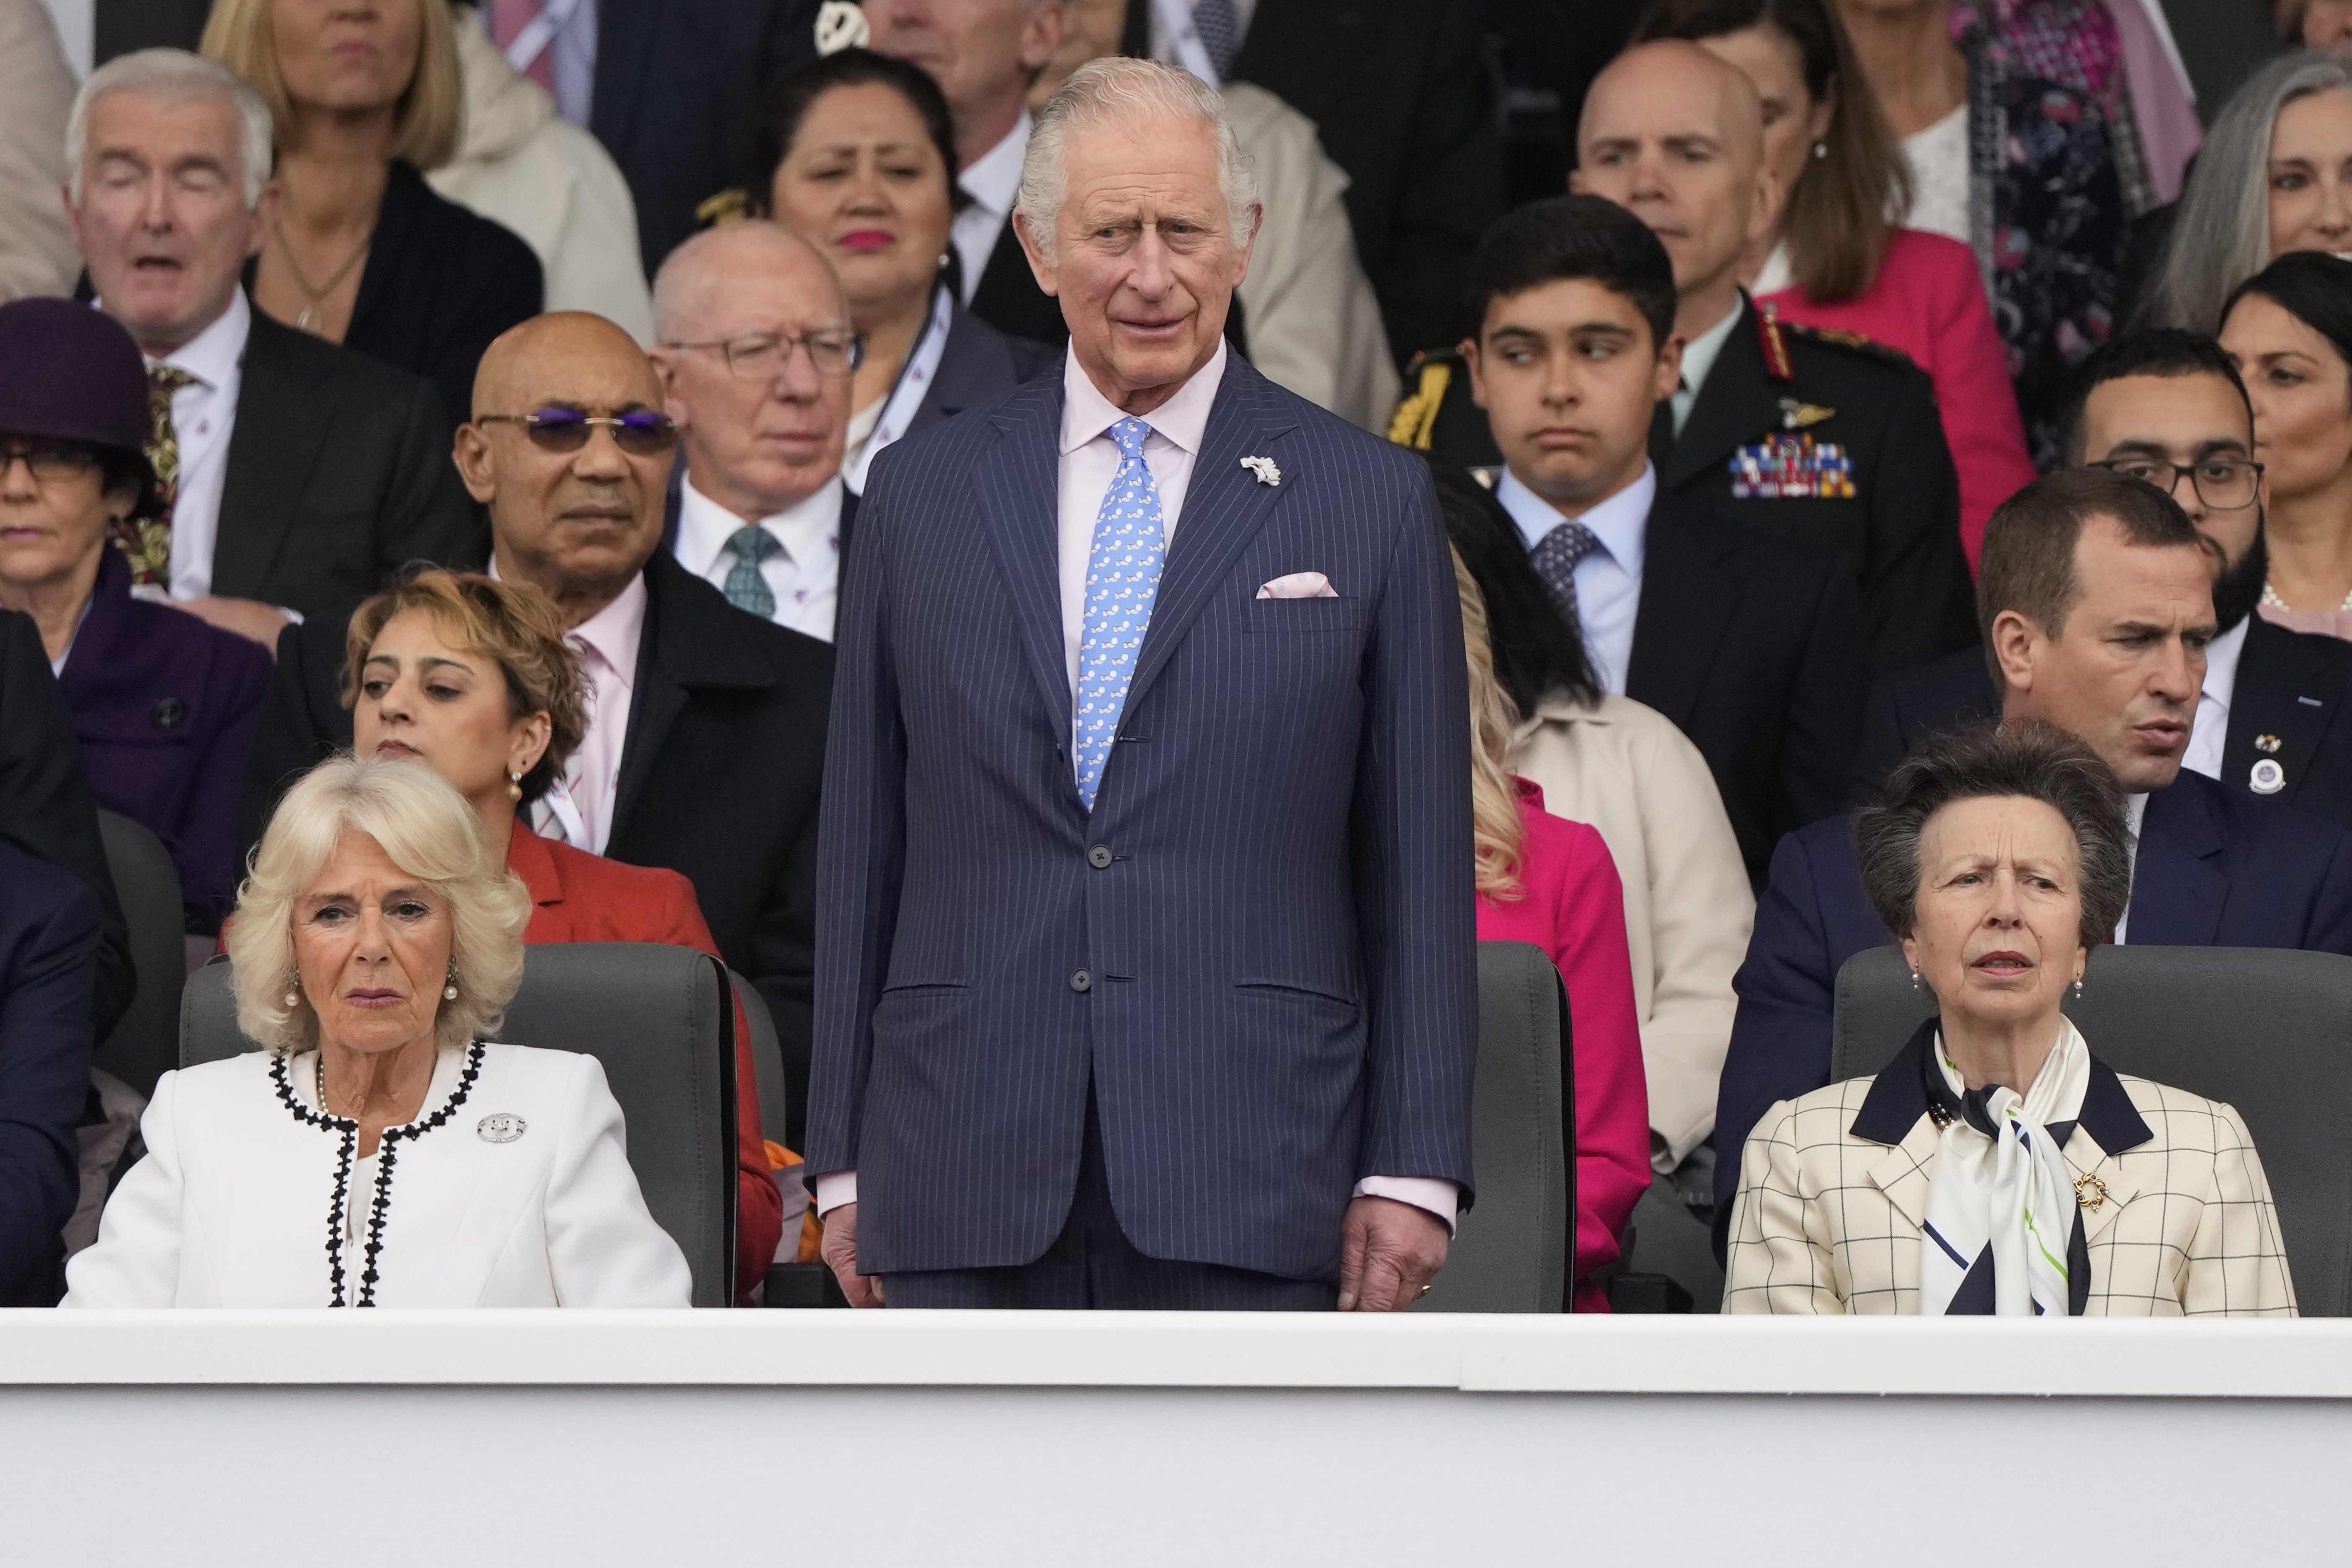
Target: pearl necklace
2272 600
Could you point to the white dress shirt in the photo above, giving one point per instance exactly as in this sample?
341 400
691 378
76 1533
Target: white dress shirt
993 183
1089 462
578 810
204 414
1699 358
804 576
1938 156
1608 580
2210 732
2135 812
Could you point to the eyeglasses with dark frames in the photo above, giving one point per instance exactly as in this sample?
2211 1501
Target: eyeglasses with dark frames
641 432
2223 484
762 356
50 462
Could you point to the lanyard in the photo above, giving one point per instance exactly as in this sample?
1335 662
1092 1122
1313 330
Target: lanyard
915 378
540 32
1176 21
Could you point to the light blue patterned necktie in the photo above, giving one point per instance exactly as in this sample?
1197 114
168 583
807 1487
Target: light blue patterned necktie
1122 580
747 586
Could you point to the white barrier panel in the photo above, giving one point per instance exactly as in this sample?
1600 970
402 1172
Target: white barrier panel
1043 1439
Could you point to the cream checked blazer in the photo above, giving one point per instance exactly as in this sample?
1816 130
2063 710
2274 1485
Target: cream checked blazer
1827 1220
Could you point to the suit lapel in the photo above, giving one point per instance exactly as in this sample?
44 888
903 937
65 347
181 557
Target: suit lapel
1688 598
1736 405
1026 532
1225 506
2285 692
279 437
1905 1171
2103 1183
626 30
2178 884
689 643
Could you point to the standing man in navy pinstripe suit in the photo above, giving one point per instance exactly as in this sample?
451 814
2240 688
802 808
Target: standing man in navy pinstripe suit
1146 976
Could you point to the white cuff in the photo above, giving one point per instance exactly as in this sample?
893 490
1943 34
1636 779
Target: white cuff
1438 1195
834 1189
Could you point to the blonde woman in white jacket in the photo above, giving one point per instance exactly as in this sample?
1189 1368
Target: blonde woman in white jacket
523 165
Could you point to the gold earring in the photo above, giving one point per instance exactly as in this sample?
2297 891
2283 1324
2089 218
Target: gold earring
514 787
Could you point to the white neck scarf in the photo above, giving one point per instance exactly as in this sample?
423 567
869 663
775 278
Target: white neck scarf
2006 1202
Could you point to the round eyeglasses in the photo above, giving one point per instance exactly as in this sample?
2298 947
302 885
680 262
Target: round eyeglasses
2223 484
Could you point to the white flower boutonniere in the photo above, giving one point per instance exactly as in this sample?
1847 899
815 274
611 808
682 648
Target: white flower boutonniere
1268 474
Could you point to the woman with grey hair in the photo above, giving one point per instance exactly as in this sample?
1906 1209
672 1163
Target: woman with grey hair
378 1151
2274 176
1995 1166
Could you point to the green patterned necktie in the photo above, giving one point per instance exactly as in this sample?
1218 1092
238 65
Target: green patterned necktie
747 586
147 541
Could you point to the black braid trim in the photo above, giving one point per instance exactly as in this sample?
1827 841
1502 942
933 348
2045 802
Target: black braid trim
387 1153
343 1159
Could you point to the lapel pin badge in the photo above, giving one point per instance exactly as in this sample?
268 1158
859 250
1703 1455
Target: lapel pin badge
2090 1192
1268 474
500 1126
2268 777
2268 744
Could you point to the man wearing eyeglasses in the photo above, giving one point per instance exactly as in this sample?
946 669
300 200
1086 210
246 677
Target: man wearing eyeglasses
2166 406
756 356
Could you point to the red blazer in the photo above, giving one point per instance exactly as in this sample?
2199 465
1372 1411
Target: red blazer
1928 300
580 897
1574 909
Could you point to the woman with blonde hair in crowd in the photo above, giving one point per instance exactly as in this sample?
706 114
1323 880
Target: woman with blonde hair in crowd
1841 257
365 99
376 944
1545 880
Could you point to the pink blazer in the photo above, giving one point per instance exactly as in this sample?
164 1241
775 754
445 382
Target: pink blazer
1574 909
1928 300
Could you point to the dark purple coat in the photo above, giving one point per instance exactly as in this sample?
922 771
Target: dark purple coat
164 705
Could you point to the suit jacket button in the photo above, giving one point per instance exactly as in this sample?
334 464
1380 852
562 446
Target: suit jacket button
168 713
1081 981
1098 856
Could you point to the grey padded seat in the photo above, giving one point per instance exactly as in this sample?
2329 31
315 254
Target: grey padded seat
2268 1031
767 1057
1510 1252
656 1016
141 1047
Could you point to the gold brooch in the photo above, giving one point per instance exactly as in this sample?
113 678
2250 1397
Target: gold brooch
2090 1192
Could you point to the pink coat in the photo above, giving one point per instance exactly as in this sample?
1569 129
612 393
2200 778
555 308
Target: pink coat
1928 300
1574 909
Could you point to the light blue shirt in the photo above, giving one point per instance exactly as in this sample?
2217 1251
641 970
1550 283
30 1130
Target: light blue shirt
1608 580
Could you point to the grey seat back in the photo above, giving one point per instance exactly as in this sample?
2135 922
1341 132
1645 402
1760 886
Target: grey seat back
146 883
767 1057
658 1018
1510 1252
2268 1031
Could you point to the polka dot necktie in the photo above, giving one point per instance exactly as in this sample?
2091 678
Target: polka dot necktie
747 586
1221 33
147 541
1555 557
1122 580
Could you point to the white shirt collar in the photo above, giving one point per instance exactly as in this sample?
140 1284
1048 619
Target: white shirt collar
2222 656
1621 523
704 527
1182 420
1699 353
213 355
615 631
993 180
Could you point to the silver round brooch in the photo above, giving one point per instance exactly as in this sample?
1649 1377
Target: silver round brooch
502 1127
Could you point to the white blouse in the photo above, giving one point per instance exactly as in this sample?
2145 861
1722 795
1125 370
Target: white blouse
512 1188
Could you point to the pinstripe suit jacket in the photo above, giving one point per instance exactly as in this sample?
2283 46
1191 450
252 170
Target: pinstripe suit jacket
2176 1214
1259 945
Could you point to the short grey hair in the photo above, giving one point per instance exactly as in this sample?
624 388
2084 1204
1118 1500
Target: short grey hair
2221 231
1113 90
173 76
2020 758
697 252
426 828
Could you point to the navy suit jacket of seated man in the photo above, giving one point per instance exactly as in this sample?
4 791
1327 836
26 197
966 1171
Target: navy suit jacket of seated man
2216 867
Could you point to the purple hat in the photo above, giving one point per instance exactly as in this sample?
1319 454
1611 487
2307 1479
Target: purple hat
68 373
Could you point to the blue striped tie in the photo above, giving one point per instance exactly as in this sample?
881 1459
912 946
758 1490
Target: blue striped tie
1122 580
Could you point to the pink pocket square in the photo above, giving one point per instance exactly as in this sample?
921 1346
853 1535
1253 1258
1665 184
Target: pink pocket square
1299 585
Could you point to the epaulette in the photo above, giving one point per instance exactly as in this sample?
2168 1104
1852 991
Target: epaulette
1841 338
1415 423
727 206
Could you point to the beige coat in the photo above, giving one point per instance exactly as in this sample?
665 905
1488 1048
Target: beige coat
1827 1222
1628 771
1314 324
527 167
37 90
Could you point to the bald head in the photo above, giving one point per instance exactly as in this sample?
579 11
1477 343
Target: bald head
695 280
1677 136
578 520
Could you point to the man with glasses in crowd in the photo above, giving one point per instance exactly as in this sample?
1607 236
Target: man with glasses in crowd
2166 406
756 356
705 729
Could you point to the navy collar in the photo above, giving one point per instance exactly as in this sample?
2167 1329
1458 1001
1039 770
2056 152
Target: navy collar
1899 1097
